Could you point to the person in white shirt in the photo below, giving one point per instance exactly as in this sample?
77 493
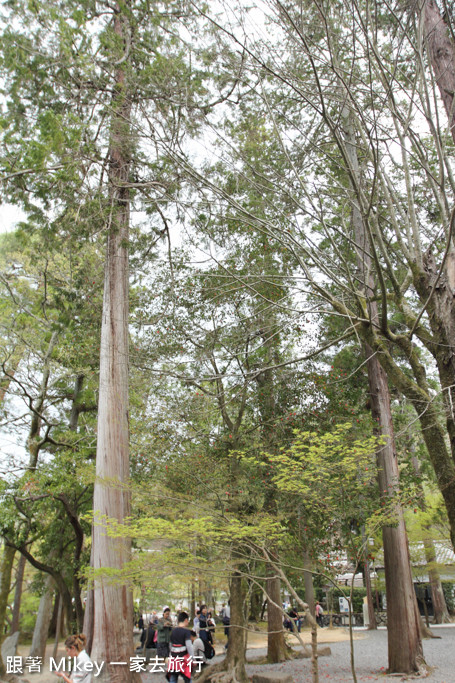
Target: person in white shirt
75 647
198 648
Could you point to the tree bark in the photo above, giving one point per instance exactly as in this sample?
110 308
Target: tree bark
276 644
18 594
43 619
5 584
255 602
441 54
403 620
232 669
113 603
58 624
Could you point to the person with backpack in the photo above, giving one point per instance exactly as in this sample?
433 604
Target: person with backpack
205 632
164 629
198 649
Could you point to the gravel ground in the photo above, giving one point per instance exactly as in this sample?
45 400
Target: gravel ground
370 660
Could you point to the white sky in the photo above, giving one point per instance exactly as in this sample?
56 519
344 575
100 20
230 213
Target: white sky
9 216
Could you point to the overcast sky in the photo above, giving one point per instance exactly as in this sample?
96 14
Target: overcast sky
9 216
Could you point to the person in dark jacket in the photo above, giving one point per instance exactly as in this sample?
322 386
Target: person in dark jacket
205 631
164 628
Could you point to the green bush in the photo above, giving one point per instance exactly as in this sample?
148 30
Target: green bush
448 590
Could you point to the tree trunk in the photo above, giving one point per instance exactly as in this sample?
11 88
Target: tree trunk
441 614
89 613
255 602
58 625
18 594
372 626
236 656
43 619
10 370
308 582
276 644
403 619
441 54
232 669
193 600
113 603
5 585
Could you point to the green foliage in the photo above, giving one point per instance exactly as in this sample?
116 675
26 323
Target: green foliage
448 588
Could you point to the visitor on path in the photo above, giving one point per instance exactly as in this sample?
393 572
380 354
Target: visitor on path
206 629
75 647
294 620
180 646
198 648
196 620
319 612
226 615
164 628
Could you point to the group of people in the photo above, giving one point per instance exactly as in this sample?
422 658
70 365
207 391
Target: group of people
160 632
176 644
157 633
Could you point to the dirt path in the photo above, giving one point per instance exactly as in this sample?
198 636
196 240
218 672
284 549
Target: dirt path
325 635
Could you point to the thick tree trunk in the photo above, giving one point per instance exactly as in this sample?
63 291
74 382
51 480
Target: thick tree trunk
236 653
43 620
18 594
441 54
232 669
5 585
113 604
276 644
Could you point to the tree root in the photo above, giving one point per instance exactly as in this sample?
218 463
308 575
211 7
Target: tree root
218 673
427 632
